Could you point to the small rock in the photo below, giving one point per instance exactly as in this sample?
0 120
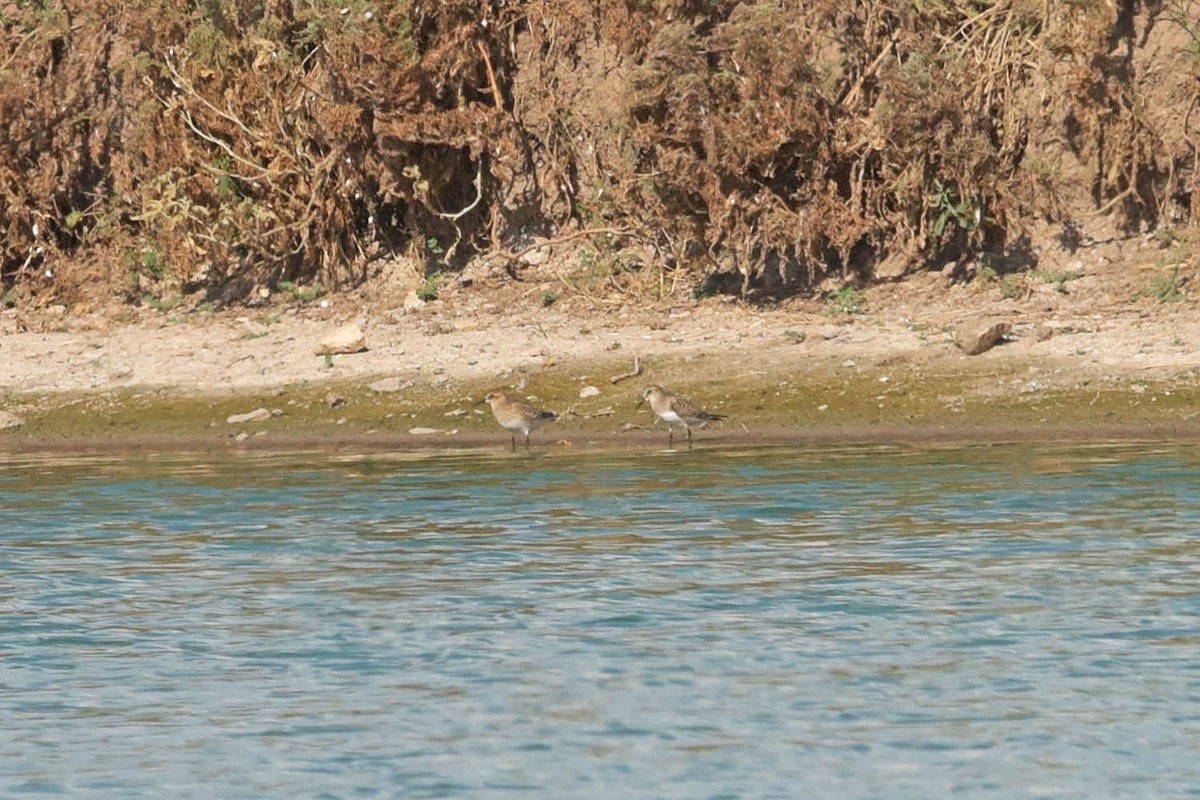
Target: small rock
422 431
588 391
1043 333
9 421
975 337
346 339
257 415
412 302
475 270
388 385
335 400
536 257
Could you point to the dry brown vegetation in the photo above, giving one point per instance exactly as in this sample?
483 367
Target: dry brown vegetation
152 149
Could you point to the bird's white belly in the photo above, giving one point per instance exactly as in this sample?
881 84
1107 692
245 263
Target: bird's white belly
671 418
517 426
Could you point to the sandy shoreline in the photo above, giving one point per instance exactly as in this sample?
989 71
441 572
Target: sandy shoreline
1071 366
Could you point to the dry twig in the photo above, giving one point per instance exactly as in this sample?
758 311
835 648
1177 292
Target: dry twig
637 370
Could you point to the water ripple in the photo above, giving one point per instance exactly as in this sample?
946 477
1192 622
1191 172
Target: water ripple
984 622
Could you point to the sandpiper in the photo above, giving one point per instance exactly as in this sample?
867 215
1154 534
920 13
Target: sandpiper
517 415
675 410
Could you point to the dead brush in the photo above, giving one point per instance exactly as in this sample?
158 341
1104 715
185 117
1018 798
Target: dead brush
755 147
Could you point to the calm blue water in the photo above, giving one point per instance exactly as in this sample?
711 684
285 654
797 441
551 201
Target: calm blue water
986 622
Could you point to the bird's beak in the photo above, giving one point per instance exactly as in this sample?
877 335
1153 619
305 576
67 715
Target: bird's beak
640 403
480 402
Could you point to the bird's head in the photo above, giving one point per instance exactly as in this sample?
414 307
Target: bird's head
649 393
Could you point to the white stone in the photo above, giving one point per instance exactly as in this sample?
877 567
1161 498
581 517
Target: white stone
588 391
257 415
536 257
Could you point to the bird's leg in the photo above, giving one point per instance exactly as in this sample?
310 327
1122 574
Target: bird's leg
527 441
514 442
670 435
689 433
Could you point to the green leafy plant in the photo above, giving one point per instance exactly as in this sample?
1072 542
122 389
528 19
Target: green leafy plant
161 303
1011 287
229 188
429 289
154 263
1168 285
149 263
436 251
846 300
1059 278
549 297
951 208
304 294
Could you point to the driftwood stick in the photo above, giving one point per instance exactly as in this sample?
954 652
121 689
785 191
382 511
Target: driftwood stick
637 370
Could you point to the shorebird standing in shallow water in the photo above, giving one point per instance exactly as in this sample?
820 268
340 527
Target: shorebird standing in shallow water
675 410
517 415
